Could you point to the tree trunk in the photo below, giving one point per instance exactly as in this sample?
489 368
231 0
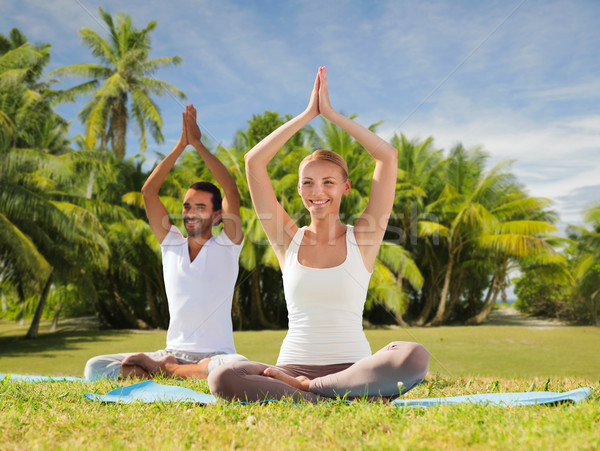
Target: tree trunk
21 295
152 303
120 126
236 310
400 320
454 296
163 306
424 316
90 186
35 324
104 140
54 324
398 315
594 307
129 316
488 305
439 315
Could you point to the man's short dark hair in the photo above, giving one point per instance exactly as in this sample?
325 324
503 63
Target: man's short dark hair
217 200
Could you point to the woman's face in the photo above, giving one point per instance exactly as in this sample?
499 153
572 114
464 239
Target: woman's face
321 187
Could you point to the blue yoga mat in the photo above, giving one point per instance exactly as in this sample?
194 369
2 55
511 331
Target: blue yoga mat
149 391
500 399
31 378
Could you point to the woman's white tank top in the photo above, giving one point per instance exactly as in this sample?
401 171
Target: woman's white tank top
325 307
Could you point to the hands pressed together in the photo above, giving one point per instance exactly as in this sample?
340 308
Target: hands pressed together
190 133
319 99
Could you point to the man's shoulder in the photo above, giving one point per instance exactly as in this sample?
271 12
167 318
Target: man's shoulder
173 238
224 241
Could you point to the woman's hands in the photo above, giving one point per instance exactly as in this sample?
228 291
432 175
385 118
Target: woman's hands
324 104
319 98
313 104
300 382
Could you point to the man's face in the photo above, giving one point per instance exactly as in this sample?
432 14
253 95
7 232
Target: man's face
198 214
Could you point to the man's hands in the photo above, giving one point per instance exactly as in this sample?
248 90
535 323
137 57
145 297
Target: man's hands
191 126
190 132
183 139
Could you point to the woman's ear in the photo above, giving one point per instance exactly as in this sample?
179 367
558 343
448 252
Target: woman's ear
347 187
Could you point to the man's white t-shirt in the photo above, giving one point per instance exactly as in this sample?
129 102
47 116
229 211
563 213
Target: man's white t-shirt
200 292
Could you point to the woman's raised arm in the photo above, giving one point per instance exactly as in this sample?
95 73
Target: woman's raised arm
277 224
370 227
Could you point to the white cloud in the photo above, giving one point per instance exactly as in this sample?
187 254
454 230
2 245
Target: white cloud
585 90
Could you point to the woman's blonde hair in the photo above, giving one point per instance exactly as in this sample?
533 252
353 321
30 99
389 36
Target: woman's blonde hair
327 155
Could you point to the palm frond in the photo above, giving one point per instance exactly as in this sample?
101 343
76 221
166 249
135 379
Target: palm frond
19 258
134 198
399 260
428 228
525 227
84 70
98 45
517 245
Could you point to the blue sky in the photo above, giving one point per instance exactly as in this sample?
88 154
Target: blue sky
521 78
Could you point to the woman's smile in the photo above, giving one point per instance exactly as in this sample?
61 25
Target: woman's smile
319 202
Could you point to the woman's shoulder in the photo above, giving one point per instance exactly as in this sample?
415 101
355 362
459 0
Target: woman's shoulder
350 236
296 240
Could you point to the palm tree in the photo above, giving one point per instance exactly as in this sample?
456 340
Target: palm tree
21 66
122 84
419 169
586 265
46 237
484 218
519 232
35 228
27 119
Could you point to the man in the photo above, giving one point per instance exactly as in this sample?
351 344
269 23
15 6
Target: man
200 272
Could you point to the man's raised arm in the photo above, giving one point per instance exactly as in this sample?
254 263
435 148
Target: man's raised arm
232 223
158 218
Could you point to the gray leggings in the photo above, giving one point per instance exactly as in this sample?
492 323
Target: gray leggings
376 375
109 366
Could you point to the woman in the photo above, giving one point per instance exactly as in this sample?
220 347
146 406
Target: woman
326 270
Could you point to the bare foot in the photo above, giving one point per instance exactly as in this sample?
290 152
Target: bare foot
187 371
300 382
152 366
133 371
167 365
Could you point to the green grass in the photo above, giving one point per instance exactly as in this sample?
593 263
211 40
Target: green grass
56 415
489 351
464 360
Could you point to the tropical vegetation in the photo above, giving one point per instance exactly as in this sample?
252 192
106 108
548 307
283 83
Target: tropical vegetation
568 289
74 240
121 86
